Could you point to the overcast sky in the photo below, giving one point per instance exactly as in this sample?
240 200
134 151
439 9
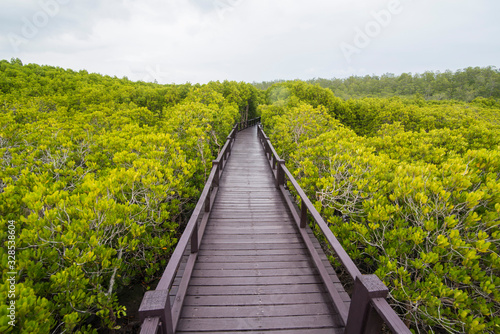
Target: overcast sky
178 41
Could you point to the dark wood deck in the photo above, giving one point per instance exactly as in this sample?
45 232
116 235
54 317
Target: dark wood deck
253 271
247 260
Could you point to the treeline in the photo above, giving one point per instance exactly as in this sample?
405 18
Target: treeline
99 175
462 85
412 191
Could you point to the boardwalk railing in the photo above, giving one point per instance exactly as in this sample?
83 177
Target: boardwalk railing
155 312
246 124
369 308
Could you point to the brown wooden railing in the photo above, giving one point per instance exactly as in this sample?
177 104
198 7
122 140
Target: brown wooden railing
246 124
156 312
369 308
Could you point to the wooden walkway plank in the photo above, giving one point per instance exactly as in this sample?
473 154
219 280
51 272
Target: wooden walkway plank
253 272
256 290
247 311
227 281
256 300
289 331
260 323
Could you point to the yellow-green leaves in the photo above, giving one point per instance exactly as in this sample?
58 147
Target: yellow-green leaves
99 173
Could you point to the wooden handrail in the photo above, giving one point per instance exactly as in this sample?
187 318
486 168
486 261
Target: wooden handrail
246 124
156 312
369 308
351 268
384 310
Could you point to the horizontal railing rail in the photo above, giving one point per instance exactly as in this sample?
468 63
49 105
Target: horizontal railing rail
246 124
369 308
156 312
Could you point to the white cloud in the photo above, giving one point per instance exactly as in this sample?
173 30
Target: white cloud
249 40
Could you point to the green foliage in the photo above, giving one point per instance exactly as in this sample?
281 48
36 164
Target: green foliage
412 194
292 125
99 174
367 116
465 85
293 93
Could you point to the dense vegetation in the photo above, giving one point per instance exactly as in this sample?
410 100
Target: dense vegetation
464 85
412 190
99 174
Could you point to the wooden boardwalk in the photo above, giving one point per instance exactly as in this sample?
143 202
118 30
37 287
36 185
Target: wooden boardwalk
247 261
253 271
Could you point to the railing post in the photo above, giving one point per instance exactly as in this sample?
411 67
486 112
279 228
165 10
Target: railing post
156 303
194 239
362 317
261 133
228 151
303 214
216 164
208 200
280 173
269 153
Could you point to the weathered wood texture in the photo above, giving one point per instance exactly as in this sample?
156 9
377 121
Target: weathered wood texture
253 271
